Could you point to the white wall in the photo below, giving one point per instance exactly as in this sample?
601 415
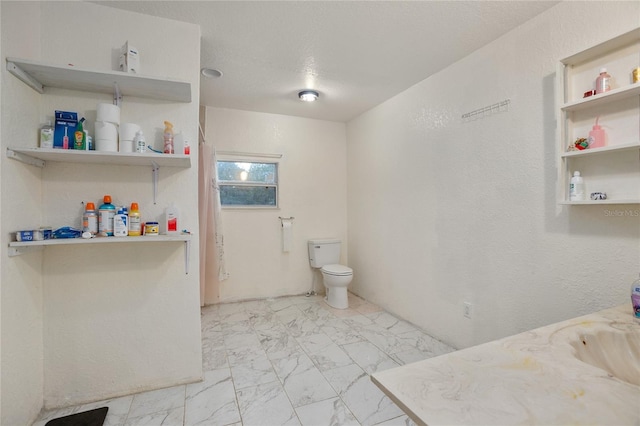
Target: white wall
22 378
312 177
442 211
119 319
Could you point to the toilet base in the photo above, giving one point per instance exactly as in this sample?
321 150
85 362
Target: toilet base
337 297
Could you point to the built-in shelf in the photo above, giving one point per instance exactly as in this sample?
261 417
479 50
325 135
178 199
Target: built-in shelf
603 150
99 157
599 202
614 95
17 248
40 76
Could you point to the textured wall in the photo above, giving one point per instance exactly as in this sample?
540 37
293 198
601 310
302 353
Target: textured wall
442 211
113 319
312 174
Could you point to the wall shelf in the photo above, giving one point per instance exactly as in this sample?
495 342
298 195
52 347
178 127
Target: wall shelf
603 150
17 248
598 202
601 99
39 76
99 157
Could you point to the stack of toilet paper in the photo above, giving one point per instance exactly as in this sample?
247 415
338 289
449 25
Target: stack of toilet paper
107 122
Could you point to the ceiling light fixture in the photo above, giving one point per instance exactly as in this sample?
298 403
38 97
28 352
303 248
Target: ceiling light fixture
308 95
211 72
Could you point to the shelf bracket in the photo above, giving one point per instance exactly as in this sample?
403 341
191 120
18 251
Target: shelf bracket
24 77
25 158
187 255
17 251
117 96
154 172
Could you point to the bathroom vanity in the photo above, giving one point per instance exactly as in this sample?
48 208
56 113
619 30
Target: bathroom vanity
584 370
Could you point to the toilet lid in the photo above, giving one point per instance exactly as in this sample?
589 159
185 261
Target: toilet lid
339 270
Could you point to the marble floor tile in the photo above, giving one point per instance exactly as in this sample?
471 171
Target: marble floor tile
340 332
266 404
364 399
277 305
330 357
313 343
236 340
330 412
301 326
423 342
383 338
409 356
278 344
340 313
253 373
391 323
369 357
173 417
231 328
296 363
213 359
161 400
213 401
307 387
367 308
314 311
398 421
245 354
289 313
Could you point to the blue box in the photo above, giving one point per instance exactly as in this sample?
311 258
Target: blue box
66 121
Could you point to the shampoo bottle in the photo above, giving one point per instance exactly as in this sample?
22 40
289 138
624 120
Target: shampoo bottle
635 298
596 136
576 188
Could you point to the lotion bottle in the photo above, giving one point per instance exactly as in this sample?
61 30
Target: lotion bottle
135 223
121 223
576 188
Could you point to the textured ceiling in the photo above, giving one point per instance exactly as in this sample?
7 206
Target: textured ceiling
357 54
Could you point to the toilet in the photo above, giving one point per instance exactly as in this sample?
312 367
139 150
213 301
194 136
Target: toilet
325 254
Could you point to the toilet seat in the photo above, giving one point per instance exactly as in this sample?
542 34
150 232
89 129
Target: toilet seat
337 270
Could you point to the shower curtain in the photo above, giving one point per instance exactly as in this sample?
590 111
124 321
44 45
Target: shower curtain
212 264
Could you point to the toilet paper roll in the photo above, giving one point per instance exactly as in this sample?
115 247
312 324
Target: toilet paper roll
108 112
126 146
128 131
287 232
106 136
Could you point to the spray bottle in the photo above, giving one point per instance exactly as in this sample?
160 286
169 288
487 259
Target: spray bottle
596 136
80 137
168 138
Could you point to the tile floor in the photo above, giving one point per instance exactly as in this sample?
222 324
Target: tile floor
286 361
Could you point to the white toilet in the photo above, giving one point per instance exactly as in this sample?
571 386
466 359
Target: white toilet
325 254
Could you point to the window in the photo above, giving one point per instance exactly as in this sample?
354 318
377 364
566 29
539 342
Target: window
248 184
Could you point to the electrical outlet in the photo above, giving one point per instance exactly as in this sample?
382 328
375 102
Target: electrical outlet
466 309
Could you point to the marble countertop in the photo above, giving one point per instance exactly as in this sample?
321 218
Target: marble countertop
530 378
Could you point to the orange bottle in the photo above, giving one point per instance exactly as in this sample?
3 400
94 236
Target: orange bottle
135 224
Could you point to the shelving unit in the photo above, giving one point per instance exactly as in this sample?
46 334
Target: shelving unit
615 168
40 76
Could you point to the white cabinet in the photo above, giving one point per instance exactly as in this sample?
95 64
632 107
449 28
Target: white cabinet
615 168
39 76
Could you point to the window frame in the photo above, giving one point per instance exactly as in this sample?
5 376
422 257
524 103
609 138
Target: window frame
250 184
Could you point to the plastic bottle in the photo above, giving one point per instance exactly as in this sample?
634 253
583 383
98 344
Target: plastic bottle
135 222
105 219
139 143
80 137
90 219
171 220
635 298
596 136
168 138
603 82
121 223
65 139
576 188
46 136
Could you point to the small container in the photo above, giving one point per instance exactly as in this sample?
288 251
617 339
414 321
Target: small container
636 75
635 298
151 228
603 82
90 219
139 143
576 188
46 136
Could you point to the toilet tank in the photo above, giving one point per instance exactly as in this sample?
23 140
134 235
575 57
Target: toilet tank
324 252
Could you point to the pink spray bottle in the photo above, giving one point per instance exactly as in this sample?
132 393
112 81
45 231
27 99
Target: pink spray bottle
597 136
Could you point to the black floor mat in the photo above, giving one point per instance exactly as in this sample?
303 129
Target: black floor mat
86 418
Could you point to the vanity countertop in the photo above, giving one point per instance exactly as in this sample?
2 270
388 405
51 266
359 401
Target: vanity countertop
529 378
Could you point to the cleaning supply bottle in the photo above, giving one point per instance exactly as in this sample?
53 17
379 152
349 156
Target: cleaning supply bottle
596 136
139 143
171 220
603 82
106 212
80 137
120 223
635 298
46 136
135 223
576 188
168 138
90 219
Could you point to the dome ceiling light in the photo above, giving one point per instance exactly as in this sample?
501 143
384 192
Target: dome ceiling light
211 73
308 95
